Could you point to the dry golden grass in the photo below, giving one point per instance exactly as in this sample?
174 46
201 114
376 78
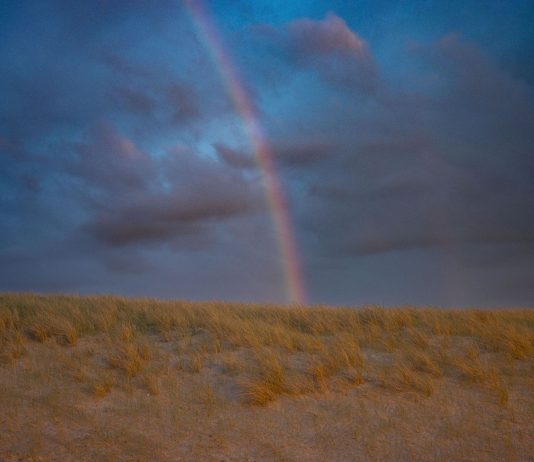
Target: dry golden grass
268 380
403 377
129 357
193 363
151 383
103 385
231 364
423 361
154 370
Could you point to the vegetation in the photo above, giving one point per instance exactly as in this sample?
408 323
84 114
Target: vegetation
112 378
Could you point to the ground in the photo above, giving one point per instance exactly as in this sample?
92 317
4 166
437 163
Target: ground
109 378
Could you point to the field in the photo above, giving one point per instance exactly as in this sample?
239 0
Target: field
118 379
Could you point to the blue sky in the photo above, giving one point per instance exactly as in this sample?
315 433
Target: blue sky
401 133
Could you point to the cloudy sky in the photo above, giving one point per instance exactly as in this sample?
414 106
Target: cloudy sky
401 133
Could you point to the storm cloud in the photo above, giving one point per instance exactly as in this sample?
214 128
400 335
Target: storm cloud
402 143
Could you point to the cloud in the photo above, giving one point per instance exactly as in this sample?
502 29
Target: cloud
286 152
329 47
448 173
234 158
110 163
155 93
183 101
331 36
394 158
135 198
134 101
165 217
303 151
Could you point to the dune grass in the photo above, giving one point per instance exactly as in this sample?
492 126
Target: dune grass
197 361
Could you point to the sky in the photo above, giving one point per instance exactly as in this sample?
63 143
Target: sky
366 151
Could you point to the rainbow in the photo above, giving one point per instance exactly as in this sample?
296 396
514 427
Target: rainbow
208 34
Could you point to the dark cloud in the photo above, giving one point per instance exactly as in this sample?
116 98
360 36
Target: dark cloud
135 101
404 151
326 37
329 47
183 101
123 67
294 152
302 152
156 95
201 194
164 218
464 180
110 162
137 198
234 158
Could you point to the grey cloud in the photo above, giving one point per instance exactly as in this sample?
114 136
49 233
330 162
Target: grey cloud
451 173
164 218
144 90
326 37
184 102
234 158
286 152
387 171
335 51
110 162
134 101
303 151
326 47
143 200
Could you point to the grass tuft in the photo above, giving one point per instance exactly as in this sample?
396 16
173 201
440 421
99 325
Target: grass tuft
129 357
103 386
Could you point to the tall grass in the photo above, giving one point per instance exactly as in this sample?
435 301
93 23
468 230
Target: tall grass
330 342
